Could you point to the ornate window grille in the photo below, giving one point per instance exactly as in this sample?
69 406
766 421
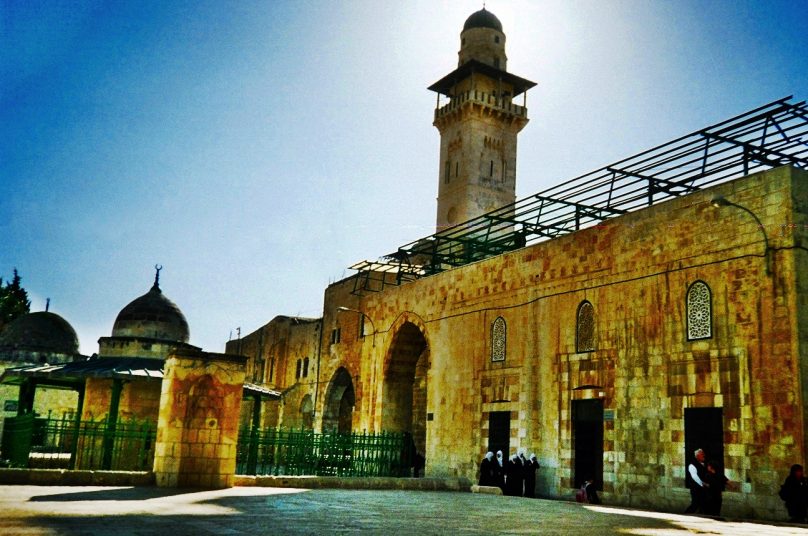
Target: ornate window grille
498 339
585 328
699 311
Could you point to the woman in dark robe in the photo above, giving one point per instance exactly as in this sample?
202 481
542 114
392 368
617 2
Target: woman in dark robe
487 471
530 476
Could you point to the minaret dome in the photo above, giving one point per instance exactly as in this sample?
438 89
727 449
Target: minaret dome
482 39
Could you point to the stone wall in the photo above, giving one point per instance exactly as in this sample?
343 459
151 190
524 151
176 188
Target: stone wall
140 400
273 351
636 271
197 432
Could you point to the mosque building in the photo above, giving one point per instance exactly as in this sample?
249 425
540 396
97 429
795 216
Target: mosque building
611 324
37 338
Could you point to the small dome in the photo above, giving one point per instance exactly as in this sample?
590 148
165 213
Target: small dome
483 19
43 332
152 316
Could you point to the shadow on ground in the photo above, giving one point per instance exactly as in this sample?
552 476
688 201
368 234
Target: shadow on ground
145 511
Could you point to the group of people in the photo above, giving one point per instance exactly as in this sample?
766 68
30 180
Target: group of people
707 482
515 476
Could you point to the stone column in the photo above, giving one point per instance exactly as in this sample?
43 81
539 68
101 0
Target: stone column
197 429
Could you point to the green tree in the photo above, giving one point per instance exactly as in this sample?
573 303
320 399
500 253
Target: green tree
14 300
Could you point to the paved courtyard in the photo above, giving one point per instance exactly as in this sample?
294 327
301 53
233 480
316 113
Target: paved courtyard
252 510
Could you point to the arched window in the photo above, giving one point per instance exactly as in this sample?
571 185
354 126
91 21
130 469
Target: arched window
498 339
297 370
699 311
585 328
306 367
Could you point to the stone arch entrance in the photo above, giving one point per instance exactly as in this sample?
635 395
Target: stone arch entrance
405 384
339 403
307 412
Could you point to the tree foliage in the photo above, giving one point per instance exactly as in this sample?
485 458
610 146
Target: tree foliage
14 300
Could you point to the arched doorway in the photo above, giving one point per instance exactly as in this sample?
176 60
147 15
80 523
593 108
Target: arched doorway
405 383
307 412
339 403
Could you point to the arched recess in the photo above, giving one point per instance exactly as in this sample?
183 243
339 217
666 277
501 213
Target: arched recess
307 412
404 392
339 403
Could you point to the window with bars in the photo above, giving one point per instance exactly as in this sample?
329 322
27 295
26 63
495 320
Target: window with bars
498 339
699 311
585 328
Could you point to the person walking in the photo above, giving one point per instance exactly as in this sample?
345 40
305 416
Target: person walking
694 479
487 471
716 484
794 493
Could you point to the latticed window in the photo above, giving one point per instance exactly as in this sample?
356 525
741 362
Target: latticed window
498 339
585 328
699 311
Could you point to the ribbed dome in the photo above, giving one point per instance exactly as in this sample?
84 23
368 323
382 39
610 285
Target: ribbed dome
483 19
40 332
152 316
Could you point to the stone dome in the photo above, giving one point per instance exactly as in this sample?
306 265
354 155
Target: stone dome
483 19
42 332
152 316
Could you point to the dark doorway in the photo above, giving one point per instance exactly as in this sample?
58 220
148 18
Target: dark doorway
404 394
339 403
704 429
587 437
499 432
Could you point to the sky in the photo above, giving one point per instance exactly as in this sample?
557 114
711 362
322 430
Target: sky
256 150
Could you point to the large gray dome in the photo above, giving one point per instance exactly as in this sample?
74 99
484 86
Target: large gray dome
152 316
483 19
42 332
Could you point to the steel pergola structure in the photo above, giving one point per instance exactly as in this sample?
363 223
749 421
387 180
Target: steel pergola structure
771 135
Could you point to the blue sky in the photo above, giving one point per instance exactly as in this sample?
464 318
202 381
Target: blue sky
257 149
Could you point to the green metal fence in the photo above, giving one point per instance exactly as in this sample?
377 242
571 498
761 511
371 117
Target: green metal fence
303 452
35 442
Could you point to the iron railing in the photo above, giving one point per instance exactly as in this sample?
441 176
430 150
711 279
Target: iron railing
69 444
772 135
304 452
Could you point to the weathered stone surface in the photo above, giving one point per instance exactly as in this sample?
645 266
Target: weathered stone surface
197 431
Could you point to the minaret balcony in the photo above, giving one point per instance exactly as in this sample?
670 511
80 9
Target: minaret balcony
488 100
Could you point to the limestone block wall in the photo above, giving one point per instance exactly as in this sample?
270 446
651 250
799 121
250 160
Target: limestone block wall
351 353
273 351
635 270
136 347
198 424
140 399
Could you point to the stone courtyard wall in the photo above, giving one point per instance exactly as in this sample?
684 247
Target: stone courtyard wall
635 270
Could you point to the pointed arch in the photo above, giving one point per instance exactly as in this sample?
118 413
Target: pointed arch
585 327
498 339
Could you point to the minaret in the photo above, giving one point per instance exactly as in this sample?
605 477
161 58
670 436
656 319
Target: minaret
478 125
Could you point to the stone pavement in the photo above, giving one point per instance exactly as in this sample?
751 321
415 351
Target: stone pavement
124 511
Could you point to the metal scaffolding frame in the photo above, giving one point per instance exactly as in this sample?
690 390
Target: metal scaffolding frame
772 135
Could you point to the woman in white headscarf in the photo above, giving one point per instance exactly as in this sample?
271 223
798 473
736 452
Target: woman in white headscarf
530 476
487 471
499 467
